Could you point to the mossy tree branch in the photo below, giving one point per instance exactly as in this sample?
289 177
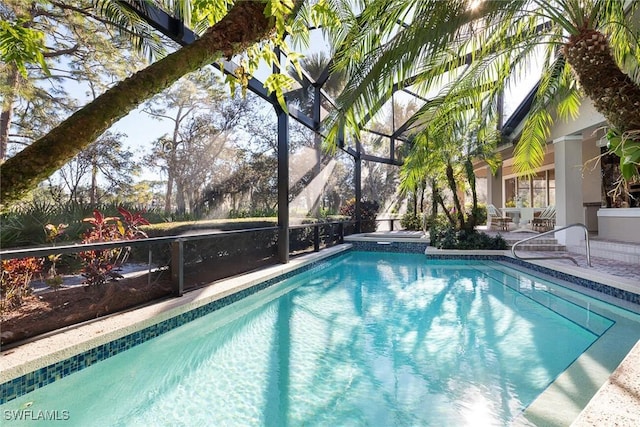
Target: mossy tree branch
244 25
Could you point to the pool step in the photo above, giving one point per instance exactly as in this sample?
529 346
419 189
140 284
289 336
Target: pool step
545 245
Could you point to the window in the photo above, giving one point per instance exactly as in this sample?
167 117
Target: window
538 191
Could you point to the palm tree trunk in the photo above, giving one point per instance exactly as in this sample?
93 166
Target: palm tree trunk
613 93
434 197
471 177
453 186
244 25
440 201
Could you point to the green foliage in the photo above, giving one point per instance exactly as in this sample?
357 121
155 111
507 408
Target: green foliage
253 213
627 147
101 266
368 213
53 233
480 213
444 236
21 46
469 56
411 221
26 224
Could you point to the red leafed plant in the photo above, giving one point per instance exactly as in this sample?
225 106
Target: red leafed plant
15 280
101 266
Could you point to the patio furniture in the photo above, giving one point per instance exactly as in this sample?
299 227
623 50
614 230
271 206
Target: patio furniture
495 218
544 221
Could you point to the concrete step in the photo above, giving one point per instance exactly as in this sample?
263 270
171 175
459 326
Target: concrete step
541 247
540 241
542 244
619 251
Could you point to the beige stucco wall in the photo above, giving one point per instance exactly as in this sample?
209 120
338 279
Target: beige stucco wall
621 224
588 119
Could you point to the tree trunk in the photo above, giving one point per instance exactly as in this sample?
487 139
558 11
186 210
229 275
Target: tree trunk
93 195
453 186
181 207
440 201
415 200
613 93
243 26
471 177
434 194
13 83
168 194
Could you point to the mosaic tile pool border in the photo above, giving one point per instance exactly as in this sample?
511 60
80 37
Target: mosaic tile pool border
29 382
33 380
396 247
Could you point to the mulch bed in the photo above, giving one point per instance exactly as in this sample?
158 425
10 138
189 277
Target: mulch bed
48 311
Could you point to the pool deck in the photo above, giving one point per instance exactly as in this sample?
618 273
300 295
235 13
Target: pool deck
616 403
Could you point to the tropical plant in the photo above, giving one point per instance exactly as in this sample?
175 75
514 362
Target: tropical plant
15 280
102 265
443 153
463 54
53 233
442 235
231 28
411 221
368 211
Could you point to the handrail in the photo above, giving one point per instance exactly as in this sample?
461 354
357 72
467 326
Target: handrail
586 238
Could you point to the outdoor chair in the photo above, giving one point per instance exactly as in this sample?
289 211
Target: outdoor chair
544 221
496 219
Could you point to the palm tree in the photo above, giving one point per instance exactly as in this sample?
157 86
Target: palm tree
444 152
245 24
468 52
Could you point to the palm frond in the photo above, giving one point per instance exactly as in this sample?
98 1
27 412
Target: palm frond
129 25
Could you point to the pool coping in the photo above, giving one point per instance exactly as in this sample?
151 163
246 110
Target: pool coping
39 355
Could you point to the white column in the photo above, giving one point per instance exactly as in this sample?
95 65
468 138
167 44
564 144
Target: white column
569 210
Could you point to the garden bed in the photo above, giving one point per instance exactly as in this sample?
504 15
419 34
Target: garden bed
47 311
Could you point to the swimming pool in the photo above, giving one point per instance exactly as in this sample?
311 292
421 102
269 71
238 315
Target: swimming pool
363 339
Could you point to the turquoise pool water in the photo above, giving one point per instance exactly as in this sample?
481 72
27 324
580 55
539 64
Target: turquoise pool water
364 339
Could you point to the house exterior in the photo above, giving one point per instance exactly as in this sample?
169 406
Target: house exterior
573 177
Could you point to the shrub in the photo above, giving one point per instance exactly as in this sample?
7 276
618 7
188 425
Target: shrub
368 212
445 236
15 280
253 213
411 221
101 266
480 213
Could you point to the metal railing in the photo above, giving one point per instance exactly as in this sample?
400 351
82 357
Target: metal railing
177 243
390 220
586 239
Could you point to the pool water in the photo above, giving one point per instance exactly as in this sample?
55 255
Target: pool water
366 339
